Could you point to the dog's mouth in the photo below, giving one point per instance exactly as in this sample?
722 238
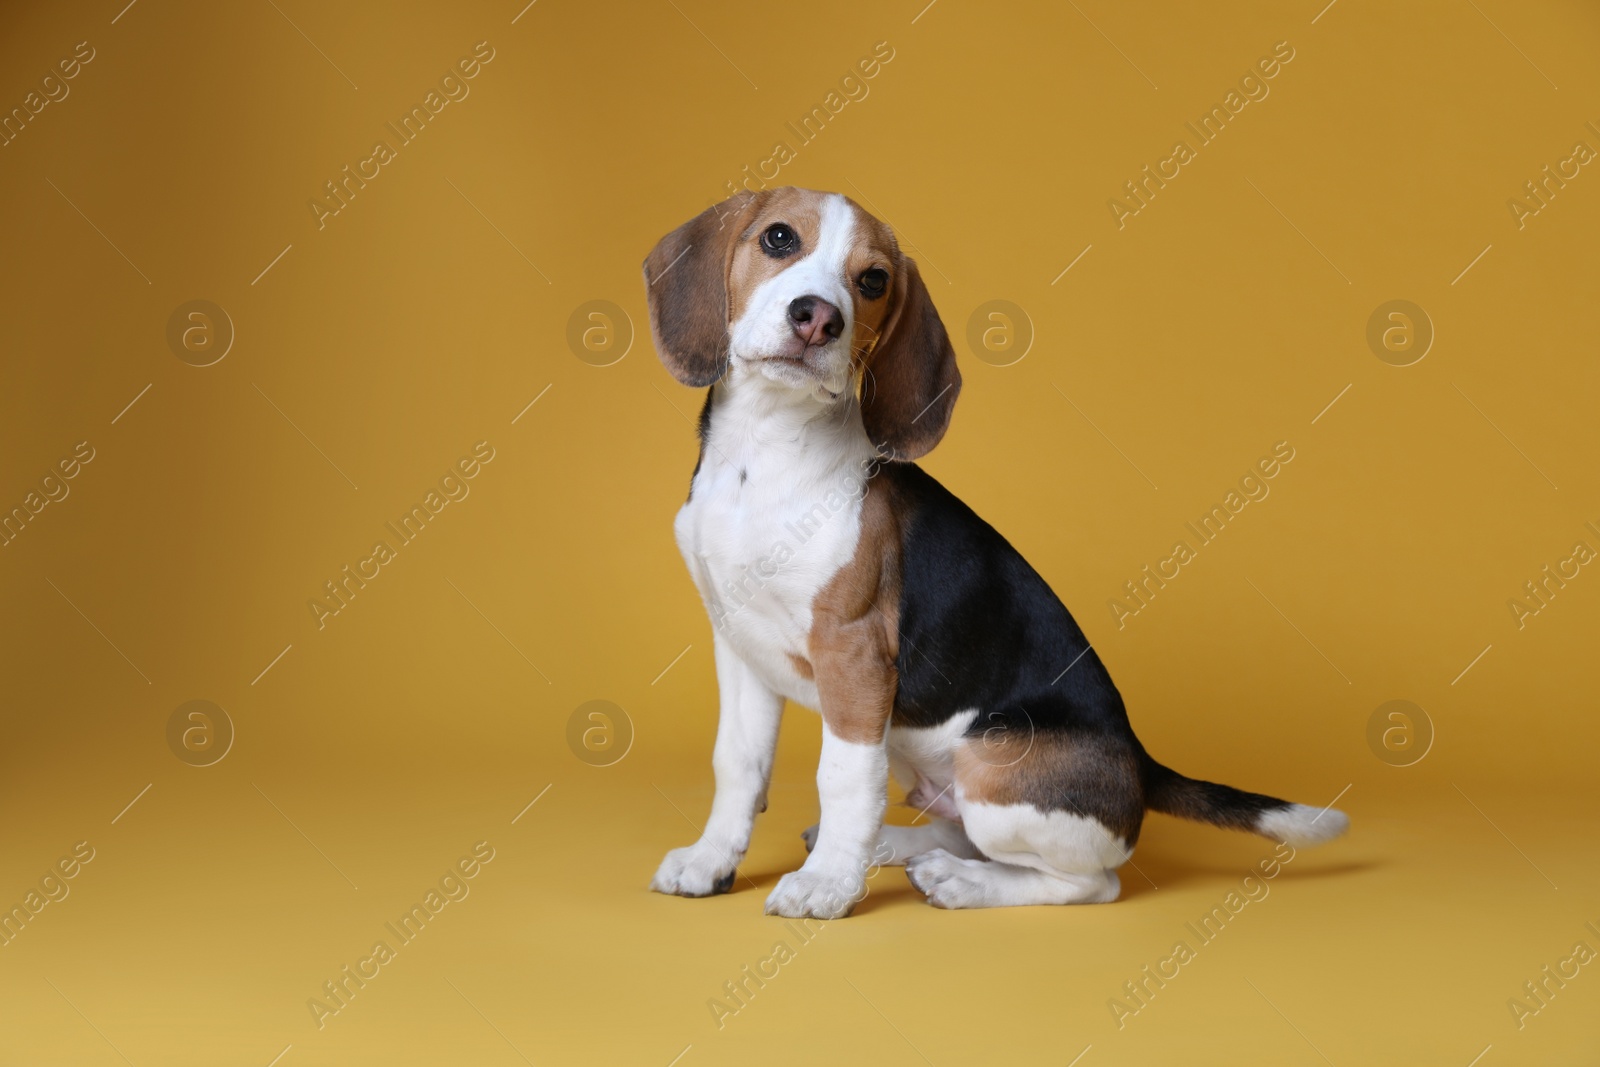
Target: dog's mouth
812 367
809 360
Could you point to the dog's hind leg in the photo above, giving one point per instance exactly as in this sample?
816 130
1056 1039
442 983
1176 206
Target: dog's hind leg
1037 858
1053 817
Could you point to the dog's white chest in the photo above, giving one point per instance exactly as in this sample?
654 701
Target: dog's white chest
770 520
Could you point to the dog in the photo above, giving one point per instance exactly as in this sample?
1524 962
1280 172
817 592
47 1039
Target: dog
841 576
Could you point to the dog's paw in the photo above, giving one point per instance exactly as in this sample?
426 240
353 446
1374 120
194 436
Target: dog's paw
807 894
809 836
948 881
700 870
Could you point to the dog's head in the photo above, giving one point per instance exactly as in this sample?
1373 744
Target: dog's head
812 293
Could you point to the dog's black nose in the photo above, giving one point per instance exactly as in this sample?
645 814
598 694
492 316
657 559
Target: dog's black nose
815 320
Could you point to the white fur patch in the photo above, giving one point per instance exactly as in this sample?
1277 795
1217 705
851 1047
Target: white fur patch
950 881
1028 857
1052 841
1302 825
925 753
774 513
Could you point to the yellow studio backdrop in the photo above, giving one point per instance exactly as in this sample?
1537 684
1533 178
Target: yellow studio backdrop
268 303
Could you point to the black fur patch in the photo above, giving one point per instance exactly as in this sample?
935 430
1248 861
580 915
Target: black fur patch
703 432
979 628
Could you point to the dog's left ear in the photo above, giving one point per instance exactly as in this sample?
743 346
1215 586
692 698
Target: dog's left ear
686 280
911 383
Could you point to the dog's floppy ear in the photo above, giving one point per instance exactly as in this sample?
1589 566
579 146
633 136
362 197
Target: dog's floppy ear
686 279
911 382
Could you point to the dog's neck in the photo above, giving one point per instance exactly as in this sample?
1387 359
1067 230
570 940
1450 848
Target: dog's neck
757 420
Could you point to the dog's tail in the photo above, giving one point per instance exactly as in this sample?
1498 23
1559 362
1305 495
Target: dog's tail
1167 791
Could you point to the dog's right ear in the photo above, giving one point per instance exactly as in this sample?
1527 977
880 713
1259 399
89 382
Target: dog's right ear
686 279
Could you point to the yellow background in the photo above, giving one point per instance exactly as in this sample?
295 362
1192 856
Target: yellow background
432 309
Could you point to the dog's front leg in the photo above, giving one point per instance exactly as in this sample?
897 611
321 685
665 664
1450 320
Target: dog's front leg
855 684
852 784
747 737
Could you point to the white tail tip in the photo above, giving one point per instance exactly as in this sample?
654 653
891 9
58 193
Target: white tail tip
1302 825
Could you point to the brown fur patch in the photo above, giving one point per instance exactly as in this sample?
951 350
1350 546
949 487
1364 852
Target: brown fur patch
911 381
686 281
801 211
874 246
801 665
855 627
1053 772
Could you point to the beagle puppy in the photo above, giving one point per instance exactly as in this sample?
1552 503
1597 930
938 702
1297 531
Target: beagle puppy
841 576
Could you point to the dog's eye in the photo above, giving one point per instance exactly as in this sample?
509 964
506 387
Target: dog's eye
779 240
873 282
